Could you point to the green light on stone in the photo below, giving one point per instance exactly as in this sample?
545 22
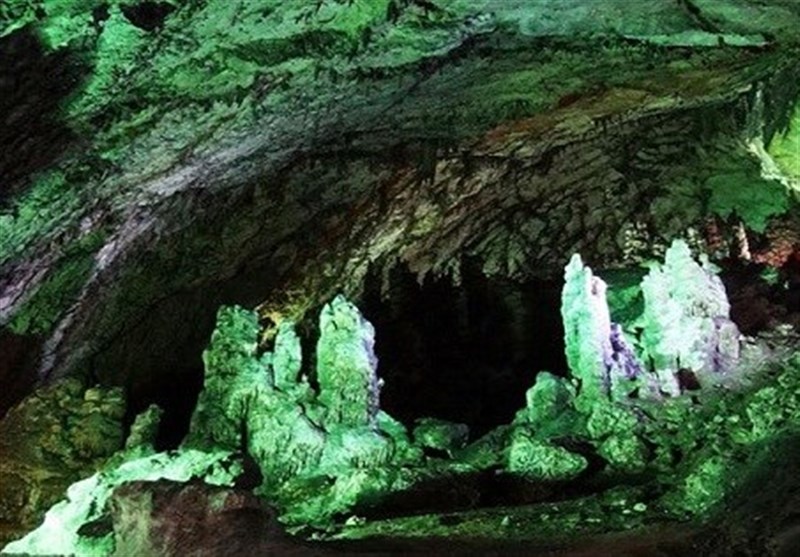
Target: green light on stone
346 365
785 149
538 460
86 500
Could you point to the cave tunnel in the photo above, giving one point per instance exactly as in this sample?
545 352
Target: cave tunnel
464 352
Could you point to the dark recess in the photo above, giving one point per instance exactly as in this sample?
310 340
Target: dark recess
18 356
34 84
149 16
757 305
464 353
159 358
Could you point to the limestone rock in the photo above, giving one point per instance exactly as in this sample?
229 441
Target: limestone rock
549 397
287 358
624 452
281 438
50 440
170 519
686 326
347 365
686 319
74 526
488 451
144 430
538 459
597 353
439 434
231 372
262 405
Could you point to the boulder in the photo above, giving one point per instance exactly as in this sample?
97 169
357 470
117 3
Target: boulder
170 519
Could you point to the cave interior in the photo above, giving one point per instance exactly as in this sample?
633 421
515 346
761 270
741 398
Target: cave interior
399 276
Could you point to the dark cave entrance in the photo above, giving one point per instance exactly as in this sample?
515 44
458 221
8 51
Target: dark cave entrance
465 353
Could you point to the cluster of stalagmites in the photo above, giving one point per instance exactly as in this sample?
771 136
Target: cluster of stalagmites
301 437
684 331
327 449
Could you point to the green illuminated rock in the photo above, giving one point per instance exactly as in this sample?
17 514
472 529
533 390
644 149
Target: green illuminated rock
587 328
703 488
144 431
203 144
598 355
537 459
239 409
784 148
53 438
262 404
624 452
346 365
287 357
548 399
440 434
61 532
232 373
686 319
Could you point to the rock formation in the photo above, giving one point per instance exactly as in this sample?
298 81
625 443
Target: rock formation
686 321
347 369
68 525
597 353
294 433
685 328
61 434
172 518
164 159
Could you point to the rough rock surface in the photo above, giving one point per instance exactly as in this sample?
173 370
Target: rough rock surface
536 459
317 451
347 368
685 328
50 440
77 525
686 319
441 435
597 353
222 152
168 519
227 154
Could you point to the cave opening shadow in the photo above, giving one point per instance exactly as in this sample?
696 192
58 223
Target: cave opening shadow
463 352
